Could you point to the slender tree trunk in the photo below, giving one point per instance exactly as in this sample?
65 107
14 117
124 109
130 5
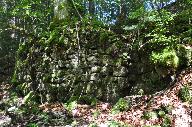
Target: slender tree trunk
91 7
122 13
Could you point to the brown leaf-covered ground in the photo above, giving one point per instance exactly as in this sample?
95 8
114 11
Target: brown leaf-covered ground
101 113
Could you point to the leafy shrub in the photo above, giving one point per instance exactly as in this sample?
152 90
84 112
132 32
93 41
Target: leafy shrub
166 58
96 114
85 99
167 109
149 115
185 55
88 100
71 105
113 124
121 105
184 93
166 122
74 100
162 112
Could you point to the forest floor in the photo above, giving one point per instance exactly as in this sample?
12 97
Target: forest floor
162 109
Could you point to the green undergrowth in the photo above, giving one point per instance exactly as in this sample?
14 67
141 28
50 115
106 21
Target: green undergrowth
121 105
185 93
85 99
164 113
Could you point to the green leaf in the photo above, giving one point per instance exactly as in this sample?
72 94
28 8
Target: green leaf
28 97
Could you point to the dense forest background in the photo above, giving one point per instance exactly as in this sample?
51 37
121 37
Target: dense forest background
65 50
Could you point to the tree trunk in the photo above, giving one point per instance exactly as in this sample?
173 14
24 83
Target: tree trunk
122 13
91 7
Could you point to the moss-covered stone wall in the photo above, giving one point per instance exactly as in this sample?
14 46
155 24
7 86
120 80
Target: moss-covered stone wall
83 59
